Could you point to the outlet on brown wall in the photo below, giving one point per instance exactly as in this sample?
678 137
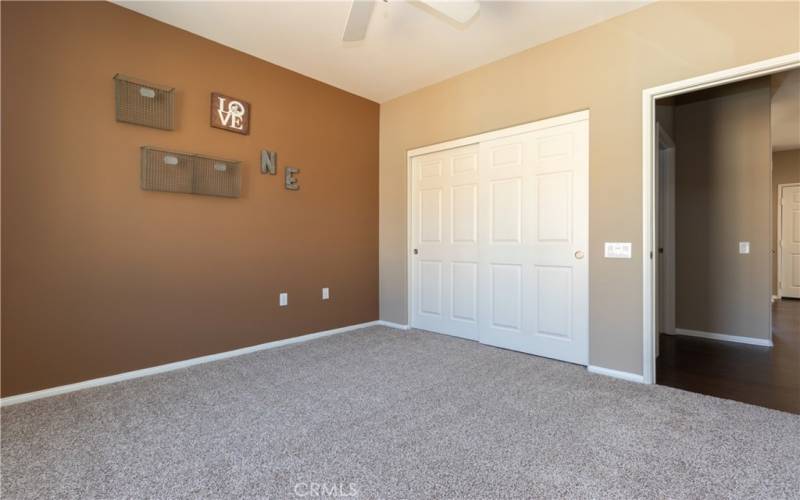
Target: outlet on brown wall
100 277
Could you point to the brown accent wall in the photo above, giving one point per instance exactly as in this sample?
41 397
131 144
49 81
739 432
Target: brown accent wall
722 197
100 277
785 170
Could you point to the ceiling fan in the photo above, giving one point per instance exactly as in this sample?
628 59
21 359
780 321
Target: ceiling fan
361 10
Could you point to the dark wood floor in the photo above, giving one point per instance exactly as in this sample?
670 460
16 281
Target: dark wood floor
764 376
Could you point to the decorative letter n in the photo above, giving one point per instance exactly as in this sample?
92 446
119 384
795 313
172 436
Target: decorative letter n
269 162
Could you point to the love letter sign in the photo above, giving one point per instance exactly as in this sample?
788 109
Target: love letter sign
229 113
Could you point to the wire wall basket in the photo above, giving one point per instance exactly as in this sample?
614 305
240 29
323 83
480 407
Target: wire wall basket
173 172
144 103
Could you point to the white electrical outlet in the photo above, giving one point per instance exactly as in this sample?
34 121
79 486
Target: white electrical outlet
744 247
326 293
283 300
618 250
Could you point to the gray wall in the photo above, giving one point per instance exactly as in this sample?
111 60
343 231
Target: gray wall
785 170
723 187
665 115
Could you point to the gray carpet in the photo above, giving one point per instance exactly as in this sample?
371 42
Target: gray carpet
390 414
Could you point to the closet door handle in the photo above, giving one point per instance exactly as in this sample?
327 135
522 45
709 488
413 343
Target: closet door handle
579 255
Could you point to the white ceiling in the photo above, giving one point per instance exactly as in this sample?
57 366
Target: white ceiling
408 45
785 115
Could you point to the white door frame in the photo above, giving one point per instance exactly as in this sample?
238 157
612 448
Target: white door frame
779 235
455 143
649 147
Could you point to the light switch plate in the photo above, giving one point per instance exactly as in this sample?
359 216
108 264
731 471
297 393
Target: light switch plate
618 250
326 293
744 247
284 299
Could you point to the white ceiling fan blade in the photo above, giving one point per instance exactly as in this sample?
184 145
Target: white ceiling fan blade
358 20
461 11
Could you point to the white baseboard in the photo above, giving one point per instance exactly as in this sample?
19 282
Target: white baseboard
630 377
724 337
144 372
775 297
393 325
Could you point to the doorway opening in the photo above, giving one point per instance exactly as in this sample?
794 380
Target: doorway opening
725 235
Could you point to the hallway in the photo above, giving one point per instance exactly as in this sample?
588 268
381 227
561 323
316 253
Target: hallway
757 375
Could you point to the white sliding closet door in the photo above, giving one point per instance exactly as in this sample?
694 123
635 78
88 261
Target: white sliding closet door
533 264
501 234
445 235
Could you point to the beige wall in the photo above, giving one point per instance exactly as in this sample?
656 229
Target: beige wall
603 68
100 277
785 170
722 197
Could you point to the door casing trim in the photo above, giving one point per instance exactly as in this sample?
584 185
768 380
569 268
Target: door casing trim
649 96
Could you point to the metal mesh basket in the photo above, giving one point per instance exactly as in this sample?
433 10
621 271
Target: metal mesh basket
144 103
166 171
174 172
216 177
